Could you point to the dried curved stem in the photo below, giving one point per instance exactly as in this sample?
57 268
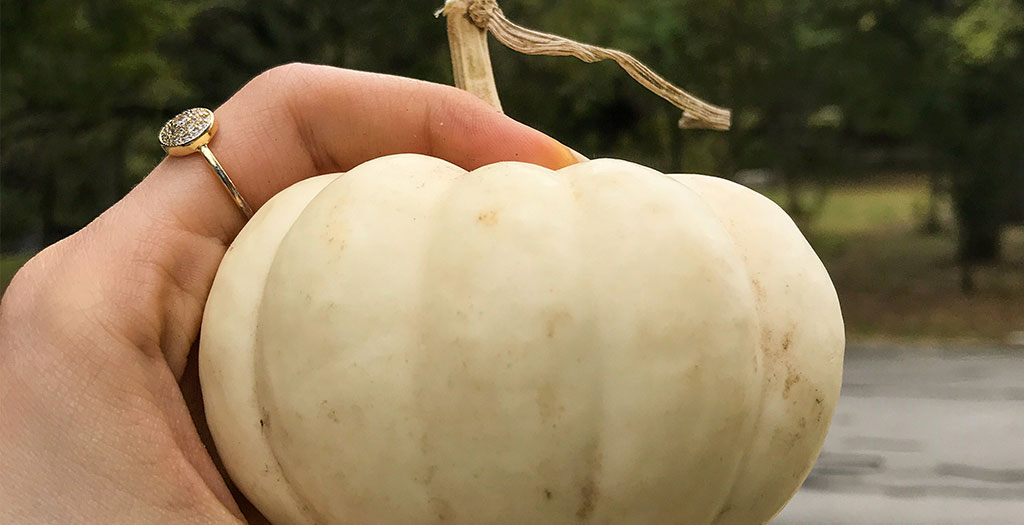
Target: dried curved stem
471 62
487 16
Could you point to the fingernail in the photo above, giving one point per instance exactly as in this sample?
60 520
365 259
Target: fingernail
577 155
569 156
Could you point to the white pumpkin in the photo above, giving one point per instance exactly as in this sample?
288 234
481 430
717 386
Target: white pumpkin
412 343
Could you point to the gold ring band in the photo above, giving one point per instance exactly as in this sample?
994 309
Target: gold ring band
191 131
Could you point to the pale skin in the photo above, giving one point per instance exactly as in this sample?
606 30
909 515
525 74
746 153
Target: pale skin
98 389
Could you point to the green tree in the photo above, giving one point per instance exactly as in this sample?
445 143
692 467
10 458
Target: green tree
985 142
233 41
813 87
82 84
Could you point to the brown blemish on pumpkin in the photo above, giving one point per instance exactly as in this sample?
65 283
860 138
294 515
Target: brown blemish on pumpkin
554 321
424 443
787 340
588 494
548 494
546 401
786 439
442 509
333 416
766 342
790 381
758 290
589 491
488 218
776 362
429 477
819 408
547 404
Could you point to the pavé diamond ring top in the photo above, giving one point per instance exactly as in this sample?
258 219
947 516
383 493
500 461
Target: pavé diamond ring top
191 131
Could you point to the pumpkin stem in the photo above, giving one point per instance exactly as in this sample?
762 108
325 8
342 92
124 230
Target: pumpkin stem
471 62
469 21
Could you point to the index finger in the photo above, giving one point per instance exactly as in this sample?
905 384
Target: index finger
135 280
161 245
300 120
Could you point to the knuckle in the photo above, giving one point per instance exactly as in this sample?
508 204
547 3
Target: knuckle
32 281
286 78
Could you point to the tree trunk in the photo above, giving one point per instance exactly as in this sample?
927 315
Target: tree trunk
932 224
980 244
980 217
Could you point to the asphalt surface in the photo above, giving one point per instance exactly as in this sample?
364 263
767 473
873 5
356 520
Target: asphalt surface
921 436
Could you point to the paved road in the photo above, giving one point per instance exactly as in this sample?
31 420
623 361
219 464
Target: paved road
921 436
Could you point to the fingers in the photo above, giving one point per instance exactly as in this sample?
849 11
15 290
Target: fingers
135 280
297 121
145 266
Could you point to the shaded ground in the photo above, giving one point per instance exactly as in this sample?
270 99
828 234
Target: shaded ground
895 282
923 436
901 284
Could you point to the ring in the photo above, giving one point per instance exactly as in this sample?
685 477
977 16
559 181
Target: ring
191 131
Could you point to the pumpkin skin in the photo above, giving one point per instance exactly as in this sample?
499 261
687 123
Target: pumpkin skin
410 343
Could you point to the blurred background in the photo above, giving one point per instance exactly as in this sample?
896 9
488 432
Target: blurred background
891 130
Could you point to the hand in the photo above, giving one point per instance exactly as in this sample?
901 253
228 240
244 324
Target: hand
96 331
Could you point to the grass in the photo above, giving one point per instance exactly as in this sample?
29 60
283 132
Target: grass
895 282
863 209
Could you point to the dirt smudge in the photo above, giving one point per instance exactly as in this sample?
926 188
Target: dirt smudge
790 381
589 489
488 218
442 509
555 321
547 403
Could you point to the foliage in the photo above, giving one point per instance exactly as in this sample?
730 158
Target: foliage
83 83
977 110
895 282
821 92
